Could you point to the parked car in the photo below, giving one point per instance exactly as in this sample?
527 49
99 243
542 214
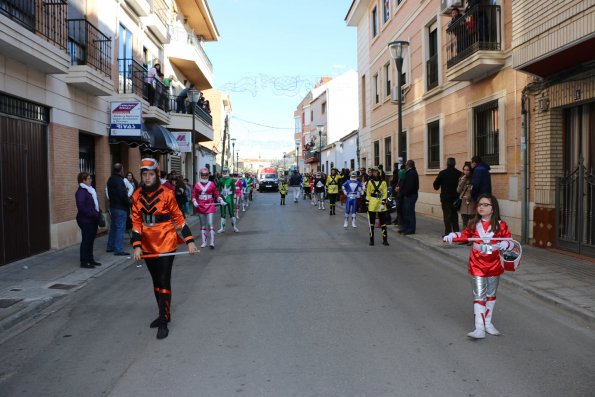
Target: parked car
268 179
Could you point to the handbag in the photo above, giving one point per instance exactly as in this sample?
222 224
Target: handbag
101 222
459 201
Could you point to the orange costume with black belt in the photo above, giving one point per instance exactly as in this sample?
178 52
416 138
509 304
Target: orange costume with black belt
152 216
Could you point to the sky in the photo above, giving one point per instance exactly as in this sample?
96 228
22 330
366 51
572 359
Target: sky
269 56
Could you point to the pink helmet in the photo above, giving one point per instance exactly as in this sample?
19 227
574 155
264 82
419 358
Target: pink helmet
204 171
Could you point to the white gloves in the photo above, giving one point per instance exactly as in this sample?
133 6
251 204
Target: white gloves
222 202
504 245
448 239
194 203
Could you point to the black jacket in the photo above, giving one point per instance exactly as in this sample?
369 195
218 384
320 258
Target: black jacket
447 181
410 185
117 192
295 180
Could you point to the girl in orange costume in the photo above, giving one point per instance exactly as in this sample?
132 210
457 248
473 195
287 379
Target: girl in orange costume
153 232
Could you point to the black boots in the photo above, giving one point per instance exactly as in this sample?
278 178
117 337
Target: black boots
163 302
384 235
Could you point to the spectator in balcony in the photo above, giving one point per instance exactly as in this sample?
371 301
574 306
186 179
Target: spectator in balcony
455 27
152 82
181 99
206 106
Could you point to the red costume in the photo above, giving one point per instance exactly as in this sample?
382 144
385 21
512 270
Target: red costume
485 265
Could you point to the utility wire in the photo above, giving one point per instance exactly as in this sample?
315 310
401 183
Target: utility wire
262 125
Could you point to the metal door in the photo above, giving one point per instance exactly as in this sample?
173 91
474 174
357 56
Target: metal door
24 212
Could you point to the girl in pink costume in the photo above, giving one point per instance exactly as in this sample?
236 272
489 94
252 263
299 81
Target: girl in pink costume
239 194
204 198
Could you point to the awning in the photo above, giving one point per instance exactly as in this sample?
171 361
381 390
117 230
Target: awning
144 140
161 140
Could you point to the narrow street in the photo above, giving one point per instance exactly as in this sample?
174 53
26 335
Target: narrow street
296 305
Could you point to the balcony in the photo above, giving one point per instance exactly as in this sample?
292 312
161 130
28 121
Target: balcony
186 52
35 34
474 44
91 58
187 116
133 84
141 7
158 20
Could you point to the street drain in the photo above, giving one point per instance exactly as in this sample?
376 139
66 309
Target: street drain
4 303
61 286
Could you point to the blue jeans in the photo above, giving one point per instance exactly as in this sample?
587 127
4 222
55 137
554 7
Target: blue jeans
116 230
409 213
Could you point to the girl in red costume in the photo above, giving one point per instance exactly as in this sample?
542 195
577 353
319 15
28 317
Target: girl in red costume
154 212
485 267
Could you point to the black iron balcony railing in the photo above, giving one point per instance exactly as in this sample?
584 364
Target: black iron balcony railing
477 30
88 46
46 18
188 107
432 72
133 79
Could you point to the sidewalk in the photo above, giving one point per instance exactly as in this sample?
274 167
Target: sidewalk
30 285
556 277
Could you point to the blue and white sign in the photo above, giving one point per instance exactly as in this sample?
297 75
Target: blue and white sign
125 118
183 139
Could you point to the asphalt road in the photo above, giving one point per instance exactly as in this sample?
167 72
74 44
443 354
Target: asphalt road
296 305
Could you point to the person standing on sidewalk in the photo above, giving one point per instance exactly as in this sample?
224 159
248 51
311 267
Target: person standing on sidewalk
376 195
409 190
447 181
118 208
295 183
484 263
154 212
481 179
87 218
464 191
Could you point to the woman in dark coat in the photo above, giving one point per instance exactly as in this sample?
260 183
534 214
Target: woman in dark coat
87 218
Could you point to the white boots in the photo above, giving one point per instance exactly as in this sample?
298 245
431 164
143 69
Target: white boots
233 224
203 234
346 223
212 245
490 329
353 221
222 228
479 311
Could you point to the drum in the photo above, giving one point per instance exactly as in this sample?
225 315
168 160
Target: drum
511 258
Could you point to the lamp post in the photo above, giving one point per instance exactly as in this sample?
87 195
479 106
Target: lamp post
396 49
238 160
233 149
297 158
320 130
284 154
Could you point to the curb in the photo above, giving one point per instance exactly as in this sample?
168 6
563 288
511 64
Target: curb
569 307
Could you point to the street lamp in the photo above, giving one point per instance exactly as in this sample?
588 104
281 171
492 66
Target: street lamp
233 149
297 158
238 160
284 154
320 130
396 49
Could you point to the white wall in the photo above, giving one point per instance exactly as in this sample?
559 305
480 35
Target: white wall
342 105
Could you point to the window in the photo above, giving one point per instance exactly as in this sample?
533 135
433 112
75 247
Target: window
298 125
387 82
323 108
486 132
434 145
374 22
352 164
403 146
376 153
388 159
432 61
364 162
386 11
375 88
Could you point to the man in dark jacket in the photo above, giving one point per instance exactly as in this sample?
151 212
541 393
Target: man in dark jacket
295 181
408 191
447 181
481 181
118 208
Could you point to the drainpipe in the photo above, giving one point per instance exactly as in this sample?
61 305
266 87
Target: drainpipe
525 103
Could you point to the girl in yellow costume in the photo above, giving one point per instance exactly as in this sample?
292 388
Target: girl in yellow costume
376 194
